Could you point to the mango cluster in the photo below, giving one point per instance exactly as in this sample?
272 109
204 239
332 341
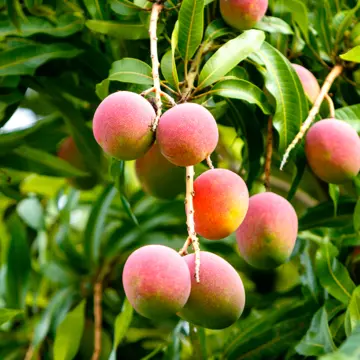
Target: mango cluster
160 283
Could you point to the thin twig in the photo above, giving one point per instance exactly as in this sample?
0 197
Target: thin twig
269 151
29 353
97 320
331 106
209 162
334 73
155 12
189 209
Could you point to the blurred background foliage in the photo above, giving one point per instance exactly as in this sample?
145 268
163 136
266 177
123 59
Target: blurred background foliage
58 59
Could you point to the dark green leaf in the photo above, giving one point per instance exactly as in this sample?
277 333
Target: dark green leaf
283 83
96 223
24 60
318 340
18 264
323 27
357 216
96 8
229 55
124 7
333 276
216 29
15 12
352 317
191 27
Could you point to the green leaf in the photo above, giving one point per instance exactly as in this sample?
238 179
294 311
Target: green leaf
124 7
274 25
323 215
332 274
216 29
350 114
8 314
15 12
126 31
6 101
242 90
32 213
168 63
299 13
102 89
68 334
191 27
308 277
96 223
24 60
131 71
283 83
18 264
96 8
318 340
229 55
122 324
349 350
334 192
344 25
57 165
352 55
352 317
66 25
323 26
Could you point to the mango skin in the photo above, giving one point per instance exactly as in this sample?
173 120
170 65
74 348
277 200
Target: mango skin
220 203
267 236
243 14
219 299
187 134
156 281
69 152
159 177
308 81
332 149
122 125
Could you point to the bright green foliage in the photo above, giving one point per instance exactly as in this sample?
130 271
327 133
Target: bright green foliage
60 240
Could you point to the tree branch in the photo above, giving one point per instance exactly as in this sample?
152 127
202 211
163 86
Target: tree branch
97 320
189 209
334 73
269 151
155 12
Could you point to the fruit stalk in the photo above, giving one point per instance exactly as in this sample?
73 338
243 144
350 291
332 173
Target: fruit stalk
209 162
189 209
97 320
331 106
155 12
269 151
334 73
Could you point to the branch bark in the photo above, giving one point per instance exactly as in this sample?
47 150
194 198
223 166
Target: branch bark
189 209
97 320
269 152
334 73
155 12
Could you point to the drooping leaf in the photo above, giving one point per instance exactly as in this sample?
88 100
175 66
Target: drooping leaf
323 26
122 324
126 31
350 114
283 83
229 55
357 216
24 60
274 25
131 71
216 29
242 90
69 333
352 317
124 7
96 8
96 223
318 339
333 276
191 27
334 193
18 264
